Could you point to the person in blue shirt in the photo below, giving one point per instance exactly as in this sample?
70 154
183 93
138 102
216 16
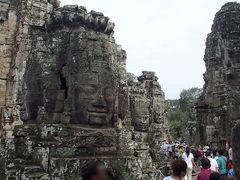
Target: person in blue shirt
180 140
210 146
222 163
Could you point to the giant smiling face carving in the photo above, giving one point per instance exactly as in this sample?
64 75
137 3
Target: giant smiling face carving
94 99
140 115
93 82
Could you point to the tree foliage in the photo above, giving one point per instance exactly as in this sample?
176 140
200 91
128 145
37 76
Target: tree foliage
179 111
188 98
131 78
177 120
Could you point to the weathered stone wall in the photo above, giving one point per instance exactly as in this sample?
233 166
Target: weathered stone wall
218 108
65 97
20 22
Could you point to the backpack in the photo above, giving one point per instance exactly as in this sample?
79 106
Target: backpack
227 162
229 165
196 154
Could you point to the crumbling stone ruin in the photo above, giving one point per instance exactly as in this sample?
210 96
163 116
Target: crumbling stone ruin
65 100
218 110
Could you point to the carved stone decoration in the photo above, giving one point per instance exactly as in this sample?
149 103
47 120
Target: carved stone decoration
148 110
217 110
83 71
139 108
65 99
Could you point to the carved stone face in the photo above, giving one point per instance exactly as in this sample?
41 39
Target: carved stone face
140 116
94 98
141 122
81 82
93 82
158 110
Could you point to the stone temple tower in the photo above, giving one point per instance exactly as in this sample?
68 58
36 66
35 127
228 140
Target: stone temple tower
217 110
64 97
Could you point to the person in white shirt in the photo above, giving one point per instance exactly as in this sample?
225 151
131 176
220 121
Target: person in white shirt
189 159
230 154
179 168
215 155
214 164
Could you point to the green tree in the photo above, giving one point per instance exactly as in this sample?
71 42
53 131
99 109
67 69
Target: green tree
179 111
178 120
131 78
188 98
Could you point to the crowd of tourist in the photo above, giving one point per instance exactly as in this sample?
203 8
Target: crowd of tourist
207 162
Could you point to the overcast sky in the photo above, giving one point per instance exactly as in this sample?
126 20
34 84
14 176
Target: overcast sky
164 36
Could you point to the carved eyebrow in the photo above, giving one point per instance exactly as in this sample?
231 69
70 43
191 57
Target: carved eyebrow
85 85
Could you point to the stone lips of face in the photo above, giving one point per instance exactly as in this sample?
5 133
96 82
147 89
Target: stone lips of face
140 115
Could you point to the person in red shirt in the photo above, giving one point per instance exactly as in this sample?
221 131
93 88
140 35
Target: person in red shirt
206 171
200 155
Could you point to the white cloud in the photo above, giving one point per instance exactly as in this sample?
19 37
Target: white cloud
165 36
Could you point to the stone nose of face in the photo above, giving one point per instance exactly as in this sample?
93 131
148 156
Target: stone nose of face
100 101
144 120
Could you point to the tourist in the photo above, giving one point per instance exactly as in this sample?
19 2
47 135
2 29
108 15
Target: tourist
170 150
210 146
230 173
215 155
214 164
180 151
214 176
180 140
174 152
189 159
196 154
200 155
179 168
204 152
229 165
177 155
222 163
206 171
230 154
193 151
94 171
